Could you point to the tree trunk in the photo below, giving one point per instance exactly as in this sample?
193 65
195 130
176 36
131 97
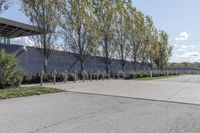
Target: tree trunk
143 66
107 67
123 66
151 66
161 69
107 55
82 66
122 57
135 62
45 64
135 56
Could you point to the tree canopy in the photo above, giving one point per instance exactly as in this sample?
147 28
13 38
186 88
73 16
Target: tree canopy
106 28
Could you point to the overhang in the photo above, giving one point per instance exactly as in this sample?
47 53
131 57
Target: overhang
13 29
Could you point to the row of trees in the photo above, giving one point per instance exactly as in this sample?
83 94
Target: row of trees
107 28
185 66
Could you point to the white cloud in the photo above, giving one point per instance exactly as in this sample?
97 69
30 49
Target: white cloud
182 37
185 56
22 41
190 54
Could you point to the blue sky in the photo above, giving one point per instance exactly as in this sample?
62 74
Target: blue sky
179 18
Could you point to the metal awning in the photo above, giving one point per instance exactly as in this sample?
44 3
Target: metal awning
13 29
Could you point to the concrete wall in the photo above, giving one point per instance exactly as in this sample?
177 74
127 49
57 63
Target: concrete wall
32 61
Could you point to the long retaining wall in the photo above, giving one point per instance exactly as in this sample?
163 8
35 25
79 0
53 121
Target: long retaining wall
32 61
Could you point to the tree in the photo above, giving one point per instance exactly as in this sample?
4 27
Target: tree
4 5
121 24
135 34
147 40
104 14
153 48
43 14
78 28
164 50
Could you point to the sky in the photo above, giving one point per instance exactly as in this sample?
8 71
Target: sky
179 18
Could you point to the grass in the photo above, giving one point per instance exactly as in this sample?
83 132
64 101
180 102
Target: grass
26 91
155 78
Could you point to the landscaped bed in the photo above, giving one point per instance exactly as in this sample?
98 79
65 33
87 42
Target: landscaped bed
155 78
26 91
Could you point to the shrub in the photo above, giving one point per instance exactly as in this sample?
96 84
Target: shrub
121 74
71 76
129 75
10 74
96 75
60 77
48 77
145 74
84 74
102 75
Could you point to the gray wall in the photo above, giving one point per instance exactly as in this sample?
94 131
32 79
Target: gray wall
31 61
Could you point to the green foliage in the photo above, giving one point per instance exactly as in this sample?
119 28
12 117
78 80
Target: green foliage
106 28
84 74
78 28
71 76
146 74
10 75
26 91
44 15
35 78
105 18
163 50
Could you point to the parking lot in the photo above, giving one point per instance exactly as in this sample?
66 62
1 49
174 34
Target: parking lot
115 106
184 89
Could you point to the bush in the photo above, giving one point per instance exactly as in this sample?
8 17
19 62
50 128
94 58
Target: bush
48 77
34 77
71 76
145 74
129 75
84 75
96 75
121 74
60 77
102 75
10 74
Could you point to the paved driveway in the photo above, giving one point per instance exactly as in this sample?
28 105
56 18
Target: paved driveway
185 89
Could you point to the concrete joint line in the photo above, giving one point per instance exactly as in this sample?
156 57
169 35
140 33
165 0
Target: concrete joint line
178 92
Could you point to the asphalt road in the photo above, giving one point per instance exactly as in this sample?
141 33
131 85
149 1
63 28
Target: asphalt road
74 112
82 113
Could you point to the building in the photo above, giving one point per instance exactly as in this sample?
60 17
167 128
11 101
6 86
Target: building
12 29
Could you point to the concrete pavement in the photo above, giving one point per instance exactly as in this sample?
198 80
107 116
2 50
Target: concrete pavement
185 89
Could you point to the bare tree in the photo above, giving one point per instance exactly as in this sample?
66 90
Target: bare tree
43 14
